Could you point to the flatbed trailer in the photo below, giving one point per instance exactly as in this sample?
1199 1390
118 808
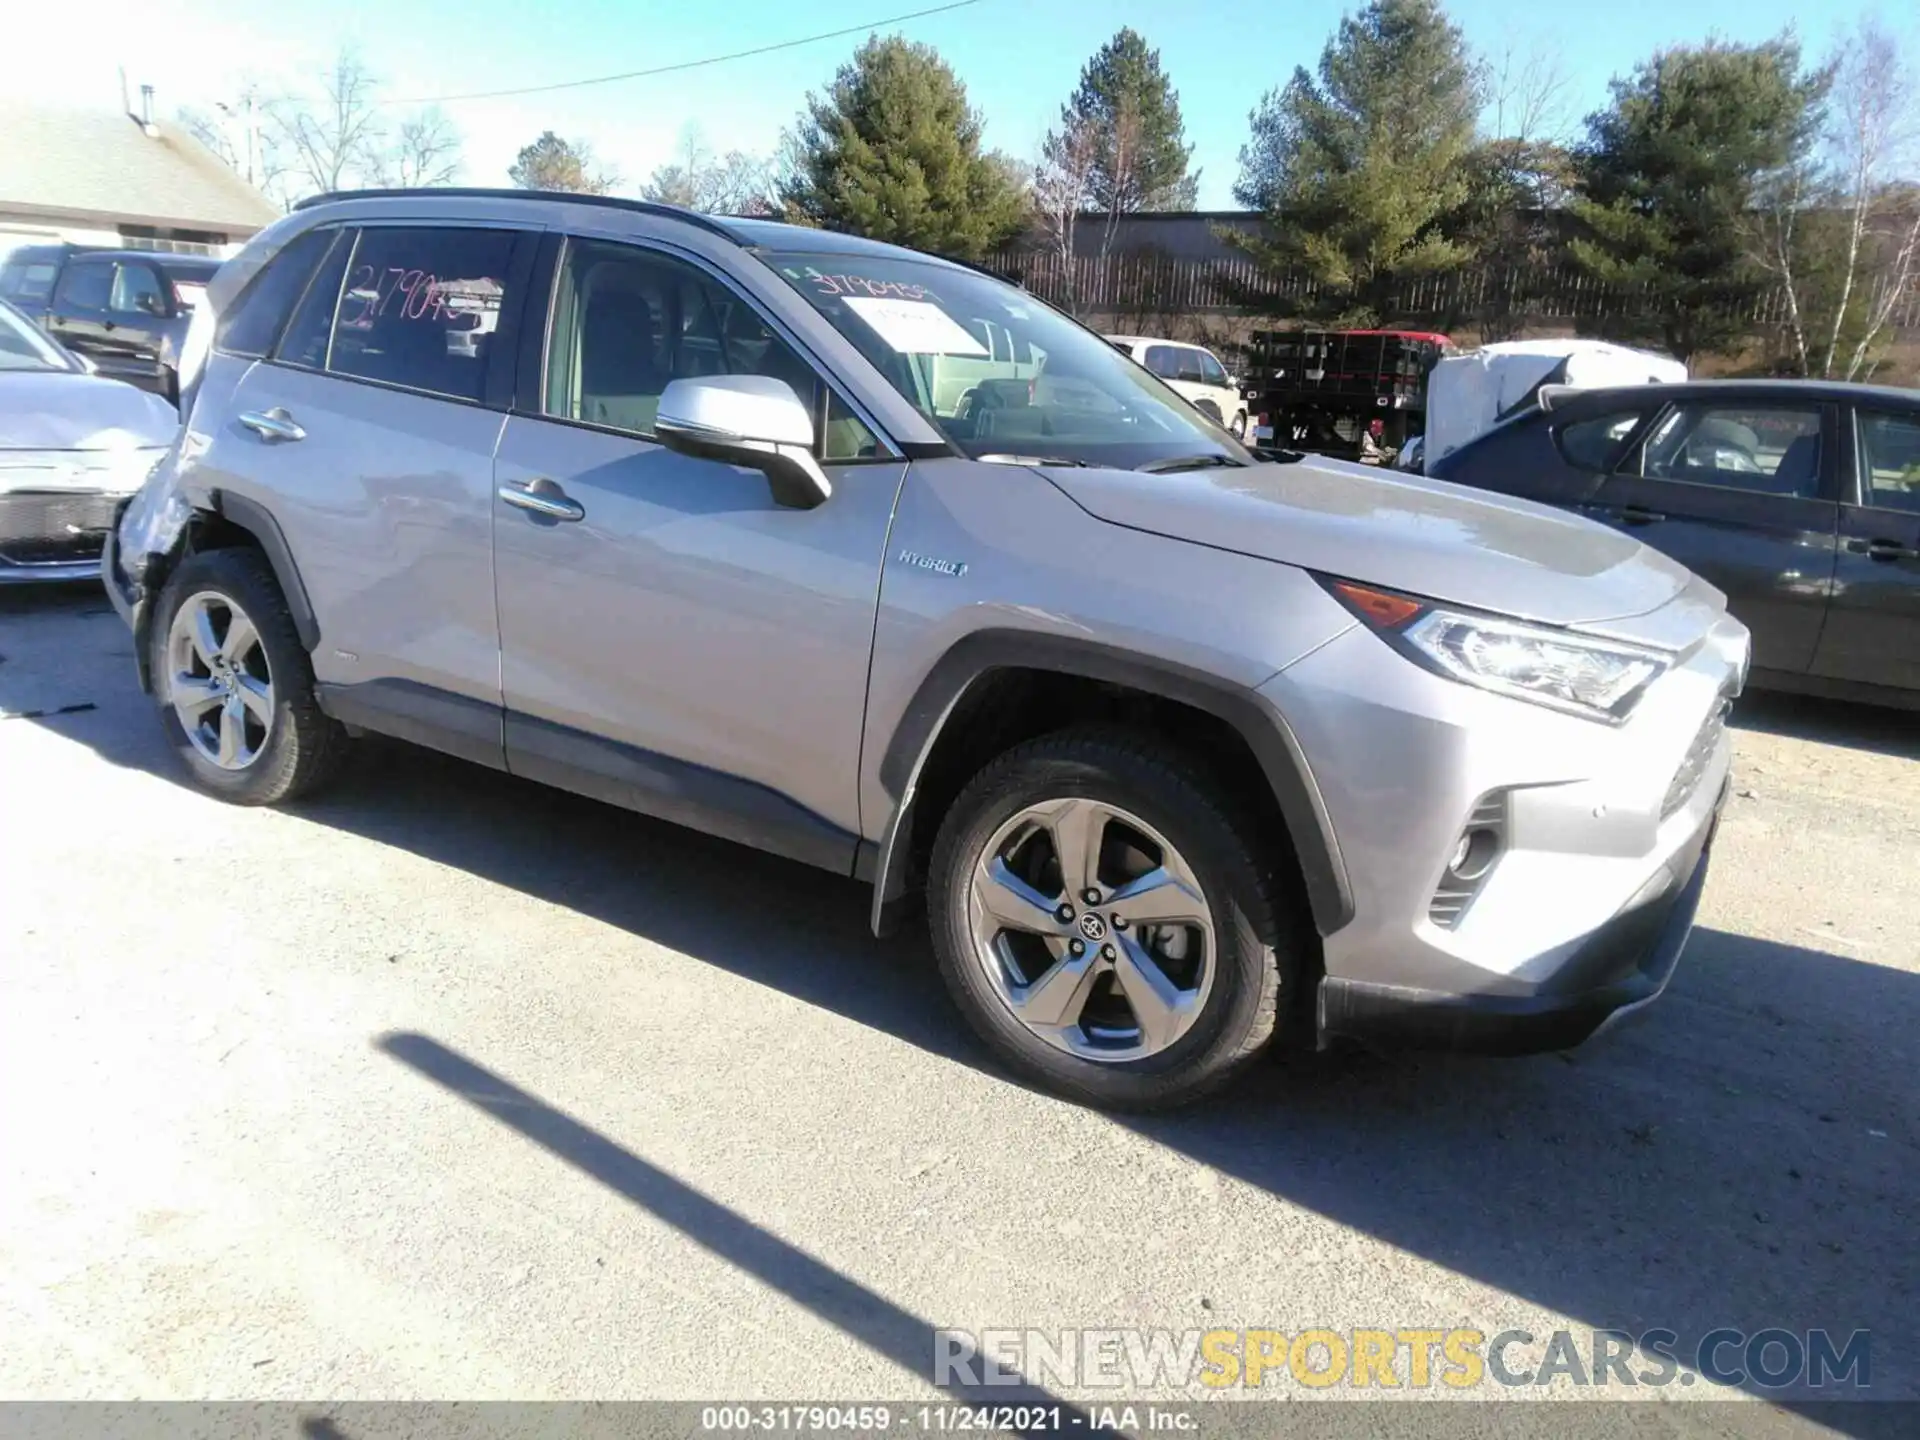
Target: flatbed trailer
1320 390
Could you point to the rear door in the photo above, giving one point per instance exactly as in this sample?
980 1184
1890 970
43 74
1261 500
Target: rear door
367 434
1873 621
78 316
1742 493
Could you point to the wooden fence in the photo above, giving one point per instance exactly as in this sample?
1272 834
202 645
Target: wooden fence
1148 282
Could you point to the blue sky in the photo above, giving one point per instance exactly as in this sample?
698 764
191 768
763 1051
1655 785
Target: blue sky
1018 58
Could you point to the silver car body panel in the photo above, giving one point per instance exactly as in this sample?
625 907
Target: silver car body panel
795 653
687 614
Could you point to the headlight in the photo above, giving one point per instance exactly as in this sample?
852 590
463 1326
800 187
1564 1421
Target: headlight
1597 679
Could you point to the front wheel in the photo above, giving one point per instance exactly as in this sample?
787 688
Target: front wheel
1240 425
1104 923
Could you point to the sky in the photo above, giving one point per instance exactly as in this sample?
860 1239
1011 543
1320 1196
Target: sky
1019 59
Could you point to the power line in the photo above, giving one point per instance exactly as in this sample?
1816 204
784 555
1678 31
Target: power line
684 64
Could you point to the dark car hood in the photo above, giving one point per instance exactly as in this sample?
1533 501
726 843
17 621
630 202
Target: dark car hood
63 410
1400 531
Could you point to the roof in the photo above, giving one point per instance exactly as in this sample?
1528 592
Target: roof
165 259
100 163
1835 391
773 236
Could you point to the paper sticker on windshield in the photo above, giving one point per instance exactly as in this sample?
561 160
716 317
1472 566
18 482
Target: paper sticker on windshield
915 327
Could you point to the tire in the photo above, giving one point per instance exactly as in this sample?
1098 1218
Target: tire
1239 427
285 746
1230 997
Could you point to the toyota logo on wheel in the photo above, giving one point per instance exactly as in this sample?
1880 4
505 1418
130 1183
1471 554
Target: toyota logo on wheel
1093 927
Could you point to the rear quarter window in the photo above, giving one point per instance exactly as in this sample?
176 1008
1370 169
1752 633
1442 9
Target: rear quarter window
1596 444
253 322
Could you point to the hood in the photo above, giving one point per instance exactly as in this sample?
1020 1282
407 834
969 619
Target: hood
1404 532
64 410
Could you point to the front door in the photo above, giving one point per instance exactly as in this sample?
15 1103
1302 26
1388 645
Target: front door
674 640
1742 494
137 312
1873 623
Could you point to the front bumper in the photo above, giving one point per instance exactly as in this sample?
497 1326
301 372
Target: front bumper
1621 967
1598 837
54 535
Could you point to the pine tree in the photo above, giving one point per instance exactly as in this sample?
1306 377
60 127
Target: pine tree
1128 107
1672 171
551 163
892 150
1359 168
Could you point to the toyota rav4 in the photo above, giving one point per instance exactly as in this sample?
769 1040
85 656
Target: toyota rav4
872 560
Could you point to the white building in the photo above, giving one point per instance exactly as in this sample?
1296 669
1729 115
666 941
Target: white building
98 177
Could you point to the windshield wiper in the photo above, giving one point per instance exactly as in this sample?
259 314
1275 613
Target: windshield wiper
1186 462
1003 459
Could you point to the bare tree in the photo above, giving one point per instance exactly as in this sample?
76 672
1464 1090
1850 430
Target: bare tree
1874 126
1062 183
734 184
337 140
239 132
1124 142
425 151
1527 91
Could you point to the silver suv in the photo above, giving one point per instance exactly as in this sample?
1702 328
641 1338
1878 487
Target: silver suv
877 562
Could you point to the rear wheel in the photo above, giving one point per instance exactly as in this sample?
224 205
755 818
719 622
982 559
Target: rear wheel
235 686
1103 923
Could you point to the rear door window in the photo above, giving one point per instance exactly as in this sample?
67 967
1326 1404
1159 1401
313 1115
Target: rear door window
85 285
420 308
1765 449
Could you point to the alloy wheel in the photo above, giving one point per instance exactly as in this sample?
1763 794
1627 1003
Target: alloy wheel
219 680
1091 929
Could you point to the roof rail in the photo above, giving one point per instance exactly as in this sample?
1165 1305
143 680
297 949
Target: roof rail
570 197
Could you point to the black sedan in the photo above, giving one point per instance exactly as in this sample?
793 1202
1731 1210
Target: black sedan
1800 499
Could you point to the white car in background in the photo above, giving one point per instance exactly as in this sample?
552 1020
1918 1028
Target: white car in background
1193 373
73 445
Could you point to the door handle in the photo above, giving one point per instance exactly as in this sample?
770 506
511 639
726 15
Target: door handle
272 425
1888 550
1640 515
543 497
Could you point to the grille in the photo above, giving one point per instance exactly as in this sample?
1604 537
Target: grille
1450 901
53 527
1687 778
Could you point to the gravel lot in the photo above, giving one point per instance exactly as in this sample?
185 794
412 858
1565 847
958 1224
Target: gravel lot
449 1086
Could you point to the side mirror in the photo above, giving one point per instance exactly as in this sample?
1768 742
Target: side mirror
754 421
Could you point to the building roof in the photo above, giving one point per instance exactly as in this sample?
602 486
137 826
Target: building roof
102 164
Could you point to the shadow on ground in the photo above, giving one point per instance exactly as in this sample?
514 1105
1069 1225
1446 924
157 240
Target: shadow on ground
1744 1157
1858 727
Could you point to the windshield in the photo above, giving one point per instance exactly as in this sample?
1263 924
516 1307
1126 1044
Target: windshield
1002 375
23 347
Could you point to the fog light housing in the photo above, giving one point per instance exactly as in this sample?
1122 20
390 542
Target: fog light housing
1482 839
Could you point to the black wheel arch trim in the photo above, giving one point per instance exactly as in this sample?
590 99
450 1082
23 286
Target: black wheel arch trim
258 521
1266 732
